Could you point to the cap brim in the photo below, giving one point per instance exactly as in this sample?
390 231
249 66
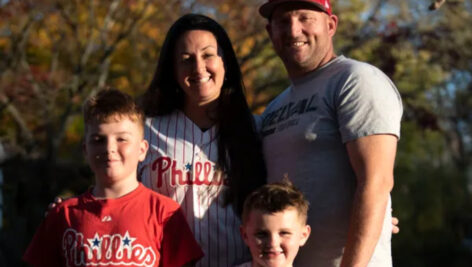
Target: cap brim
266 9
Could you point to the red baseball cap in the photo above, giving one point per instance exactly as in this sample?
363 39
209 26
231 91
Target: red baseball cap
266 9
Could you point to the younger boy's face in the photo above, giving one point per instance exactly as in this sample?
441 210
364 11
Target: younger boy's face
274 238
113 149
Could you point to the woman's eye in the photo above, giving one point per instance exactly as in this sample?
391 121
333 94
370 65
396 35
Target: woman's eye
208 55
185 59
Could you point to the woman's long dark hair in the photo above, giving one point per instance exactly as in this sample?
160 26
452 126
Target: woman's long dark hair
239 146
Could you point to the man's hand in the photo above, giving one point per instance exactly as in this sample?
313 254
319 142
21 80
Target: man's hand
395 227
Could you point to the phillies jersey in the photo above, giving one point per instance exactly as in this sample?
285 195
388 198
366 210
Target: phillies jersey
141 228
180 164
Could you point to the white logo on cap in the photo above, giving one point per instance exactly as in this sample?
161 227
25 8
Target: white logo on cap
326 4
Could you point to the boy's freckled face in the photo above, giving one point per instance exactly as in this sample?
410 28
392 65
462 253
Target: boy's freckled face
274 238
114 148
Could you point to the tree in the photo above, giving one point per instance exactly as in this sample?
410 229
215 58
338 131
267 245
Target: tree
55 53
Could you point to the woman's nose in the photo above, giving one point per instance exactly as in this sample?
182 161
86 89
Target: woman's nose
199 65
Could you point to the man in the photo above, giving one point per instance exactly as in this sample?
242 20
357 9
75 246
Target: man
334 133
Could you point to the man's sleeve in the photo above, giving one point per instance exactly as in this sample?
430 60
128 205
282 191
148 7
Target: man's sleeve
178 244
368 103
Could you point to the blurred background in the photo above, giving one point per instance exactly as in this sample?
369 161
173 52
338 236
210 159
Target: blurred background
56 53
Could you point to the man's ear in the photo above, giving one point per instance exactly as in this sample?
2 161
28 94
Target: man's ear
332 24
305 235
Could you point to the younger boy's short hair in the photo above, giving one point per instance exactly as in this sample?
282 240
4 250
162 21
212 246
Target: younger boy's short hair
112 104
276 197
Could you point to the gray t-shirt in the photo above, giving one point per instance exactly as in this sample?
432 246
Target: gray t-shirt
304 134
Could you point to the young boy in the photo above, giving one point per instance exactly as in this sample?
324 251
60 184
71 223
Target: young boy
274 225
118 222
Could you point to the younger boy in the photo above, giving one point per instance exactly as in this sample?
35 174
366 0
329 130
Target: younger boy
118 222
274 225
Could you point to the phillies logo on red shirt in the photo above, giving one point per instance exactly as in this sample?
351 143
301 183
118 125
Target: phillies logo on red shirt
113 249
203 171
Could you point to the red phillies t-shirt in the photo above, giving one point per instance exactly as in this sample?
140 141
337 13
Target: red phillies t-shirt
142 228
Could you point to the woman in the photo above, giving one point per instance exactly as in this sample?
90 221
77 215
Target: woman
204 149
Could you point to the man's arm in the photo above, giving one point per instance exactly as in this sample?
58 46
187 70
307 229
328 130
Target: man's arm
372 158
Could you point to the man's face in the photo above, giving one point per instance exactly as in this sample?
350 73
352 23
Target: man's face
302 37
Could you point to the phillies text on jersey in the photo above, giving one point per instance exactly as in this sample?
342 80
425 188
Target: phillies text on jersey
181 164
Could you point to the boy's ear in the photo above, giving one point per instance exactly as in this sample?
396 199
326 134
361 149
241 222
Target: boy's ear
305 234
143 147
84 152
243 232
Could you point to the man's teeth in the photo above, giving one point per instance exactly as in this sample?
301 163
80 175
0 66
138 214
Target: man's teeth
204 80
298 43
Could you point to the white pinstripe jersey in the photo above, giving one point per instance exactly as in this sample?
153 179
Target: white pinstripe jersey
181 164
